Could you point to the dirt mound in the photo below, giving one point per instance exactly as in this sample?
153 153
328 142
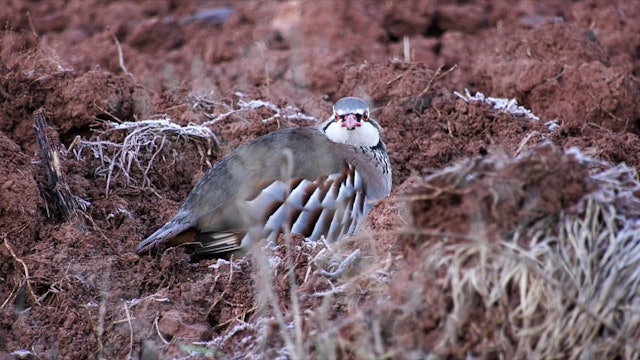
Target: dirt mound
498 262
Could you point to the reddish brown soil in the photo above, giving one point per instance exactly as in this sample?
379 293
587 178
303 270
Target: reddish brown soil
76 289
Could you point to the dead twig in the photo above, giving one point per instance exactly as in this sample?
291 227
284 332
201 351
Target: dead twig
61 194
25 269
439 74
343 267
126 311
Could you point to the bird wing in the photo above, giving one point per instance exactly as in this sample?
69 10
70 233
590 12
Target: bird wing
328 206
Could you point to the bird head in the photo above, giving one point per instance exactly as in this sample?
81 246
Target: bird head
351 124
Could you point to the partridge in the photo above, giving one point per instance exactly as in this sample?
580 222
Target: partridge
315 181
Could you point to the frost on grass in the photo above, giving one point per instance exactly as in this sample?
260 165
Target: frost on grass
207 107
505 105
538 281
144 141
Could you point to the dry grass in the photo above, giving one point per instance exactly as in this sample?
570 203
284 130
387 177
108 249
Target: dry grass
298 286
503 105
142 143
216 111
564 287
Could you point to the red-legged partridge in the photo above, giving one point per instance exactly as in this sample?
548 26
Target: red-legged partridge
315 181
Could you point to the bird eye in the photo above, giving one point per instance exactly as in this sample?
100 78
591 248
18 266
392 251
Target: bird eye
365 116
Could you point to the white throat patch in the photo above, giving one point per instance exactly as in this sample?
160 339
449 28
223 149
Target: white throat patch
365 135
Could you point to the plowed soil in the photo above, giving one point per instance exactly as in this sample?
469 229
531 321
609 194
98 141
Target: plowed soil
73 288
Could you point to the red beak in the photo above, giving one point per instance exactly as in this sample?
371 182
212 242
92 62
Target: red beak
350 122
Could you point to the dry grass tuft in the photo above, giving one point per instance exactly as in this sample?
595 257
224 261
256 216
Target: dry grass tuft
300 287
142 143
561 285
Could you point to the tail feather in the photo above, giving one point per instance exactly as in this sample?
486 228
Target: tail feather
217 243
173 233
